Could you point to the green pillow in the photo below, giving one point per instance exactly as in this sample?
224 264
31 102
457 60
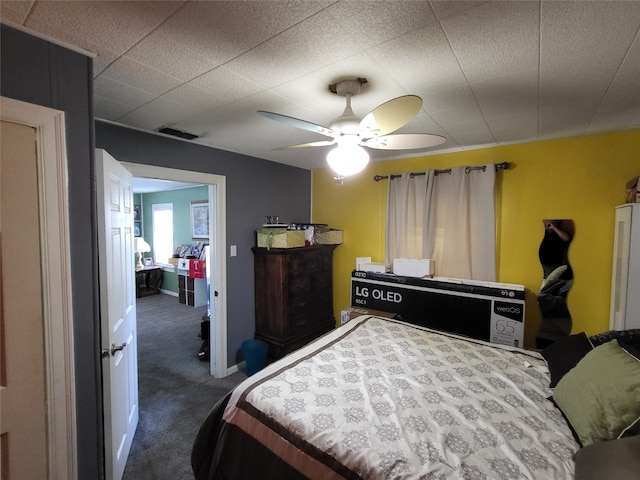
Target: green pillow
600 396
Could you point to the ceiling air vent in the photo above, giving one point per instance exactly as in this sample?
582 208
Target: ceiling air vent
177 133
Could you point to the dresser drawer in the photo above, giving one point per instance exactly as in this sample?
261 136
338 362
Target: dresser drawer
321 282
300 324
308 264
301 304
300 286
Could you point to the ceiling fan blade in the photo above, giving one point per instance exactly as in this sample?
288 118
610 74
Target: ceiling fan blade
322 143
390 116
404 141
296 122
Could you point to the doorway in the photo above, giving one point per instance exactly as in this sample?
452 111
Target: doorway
217 219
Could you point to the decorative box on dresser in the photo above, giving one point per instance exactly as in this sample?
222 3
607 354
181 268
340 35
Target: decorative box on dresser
293 296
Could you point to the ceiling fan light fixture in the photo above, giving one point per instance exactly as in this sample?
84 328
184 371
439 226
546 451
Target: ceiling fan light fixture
347 158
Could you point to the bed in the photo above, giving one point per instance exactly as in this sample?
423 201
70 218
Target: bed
378 398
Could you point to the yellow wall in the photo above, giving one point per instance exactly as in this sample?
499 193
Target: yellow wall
580 178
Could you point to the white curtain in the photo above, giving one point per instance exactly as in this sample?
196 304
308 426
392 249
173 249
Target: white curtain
406 202
449 217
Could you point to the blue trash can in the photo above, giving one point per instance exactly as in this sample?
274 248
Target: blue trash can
255 354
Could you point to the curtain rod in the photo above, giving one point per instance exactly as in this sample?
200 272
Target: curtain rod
499 166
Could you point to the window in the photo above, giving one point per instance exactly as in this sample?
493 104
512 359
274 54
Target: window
162 232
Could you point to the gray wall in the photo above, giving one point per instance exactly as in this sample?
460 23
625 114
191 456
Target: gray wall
35 71
255 188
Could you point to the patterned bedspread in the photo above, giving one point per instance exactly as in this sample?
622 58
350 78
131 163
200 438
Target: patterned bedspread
380 399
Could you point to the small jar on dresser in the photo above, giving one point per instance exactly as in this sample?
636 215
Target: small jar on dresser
293 296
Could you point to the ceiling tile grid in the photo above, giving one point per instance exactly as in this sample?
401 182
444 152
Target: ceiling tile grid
489 72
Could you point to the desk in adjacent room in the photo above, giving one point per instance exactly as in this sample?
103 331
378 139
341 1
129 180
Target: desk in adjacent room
148 281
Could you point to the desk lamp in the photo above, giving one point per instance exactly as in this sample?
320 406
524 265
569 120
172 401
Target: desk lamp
140 246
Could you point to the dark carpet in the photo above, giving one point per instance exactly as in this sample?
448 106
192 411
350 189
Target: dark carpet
176 390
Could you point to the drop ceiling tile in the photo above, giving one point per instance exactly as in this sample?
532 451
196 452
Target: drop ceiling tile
372 23
495 38
617 113
121 92
130 72
511 93
420 60
158 113
464 114
597 34
224 83
471 133
515 127
620 107
307 98
109 109
103 60
446 98
306 47
15 12
232 115
164 55
195 98
97 26
222 30
565 120
573 88
422 123
449 8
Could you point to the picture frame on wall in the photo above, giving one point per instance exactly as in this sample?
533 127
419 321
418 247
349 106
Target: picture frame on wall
136 213
200 219
137 231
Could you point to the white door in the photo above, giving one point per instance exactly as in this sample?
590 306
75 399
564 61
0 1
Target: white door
23 423
118 311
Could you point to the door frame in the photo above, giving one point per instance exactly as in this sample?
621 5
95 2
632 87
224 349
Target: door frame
217 218
49 125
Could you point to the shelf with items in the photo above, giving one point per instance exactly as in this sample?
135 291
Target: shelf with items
192 283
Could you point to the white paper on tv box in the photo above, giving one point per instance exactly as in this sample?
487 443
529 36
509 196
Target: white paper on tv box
377 267
360 261
413 267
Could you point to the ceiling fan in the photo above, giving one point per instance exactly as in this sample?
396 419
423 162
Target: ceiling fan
350 133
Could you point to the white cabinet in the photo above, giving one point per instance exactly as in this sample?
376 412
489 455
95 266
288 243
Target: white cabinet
192 291
192 283
625 282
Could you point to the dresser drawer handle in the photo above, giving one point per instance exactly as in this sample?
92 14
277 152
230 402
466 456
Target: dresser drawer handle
301 323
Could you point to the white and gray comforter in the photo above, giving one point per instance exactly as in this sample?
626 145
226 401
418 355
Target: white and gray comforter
378 399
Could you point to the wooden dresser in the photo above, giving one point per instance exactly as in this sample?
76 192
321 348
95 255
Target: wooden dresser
293 296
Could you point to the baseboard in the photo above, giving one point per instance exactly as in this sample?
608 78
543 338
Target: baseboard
169 292
236 368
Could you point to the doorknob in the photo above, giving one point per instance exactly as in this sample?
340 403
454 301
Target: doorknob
115 348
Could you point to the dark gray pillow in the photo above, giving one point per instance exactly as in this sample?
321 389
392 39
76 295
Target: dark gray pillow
630 337
564 354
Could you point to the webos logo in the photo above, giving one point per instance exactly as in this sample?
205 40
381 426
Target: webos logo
514 311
